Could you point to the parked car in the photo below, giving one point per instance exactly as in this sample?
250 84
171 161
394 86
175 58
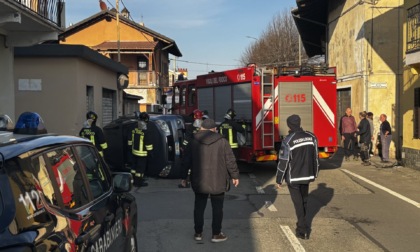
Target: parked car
58 194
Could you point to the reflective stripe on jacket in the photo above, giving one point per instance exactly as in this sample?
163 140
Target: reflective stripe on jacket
140 143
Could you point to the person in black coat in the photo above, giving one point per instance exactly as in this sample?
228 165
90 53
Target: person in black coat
298 165
365 137
212 164
386 137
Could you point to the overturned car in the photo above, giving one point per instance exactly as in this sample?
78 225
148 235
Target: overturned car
167 134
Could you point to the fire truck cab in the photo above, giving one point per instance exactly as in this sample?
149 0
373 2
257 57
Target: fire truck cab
263 98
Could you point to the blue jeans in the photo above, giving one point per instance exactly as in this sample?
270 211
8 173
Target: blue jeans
217 211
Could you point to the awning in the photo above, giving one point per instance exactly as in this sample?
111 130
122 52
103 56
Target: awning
311 17
132 94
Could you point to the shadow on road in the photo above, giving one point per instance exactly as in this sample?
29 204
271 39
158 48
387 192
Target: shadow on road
319 198
333 162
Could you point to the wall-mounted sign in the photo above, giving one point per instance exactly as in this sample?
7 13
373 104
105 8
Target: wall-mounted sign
30 84
378 85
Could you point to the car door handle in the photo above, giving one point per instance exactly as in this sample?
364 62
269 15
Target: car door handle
109 217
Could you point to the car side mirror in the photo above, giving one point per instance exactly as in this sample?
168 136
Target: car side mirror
122 182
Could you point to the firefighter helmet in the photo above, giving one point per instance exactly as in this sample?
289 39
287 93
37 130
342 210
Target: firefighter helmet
144 117
91 115
231 113
198 114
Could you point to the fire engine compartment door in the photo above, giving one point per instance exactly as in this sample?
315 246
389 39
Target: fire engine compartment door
205 99
222 102
295 98
242 101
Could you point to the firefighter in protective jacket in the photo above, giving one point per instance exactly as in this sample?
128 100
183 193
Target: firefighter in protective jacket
229 129
141 146
94 133
194 127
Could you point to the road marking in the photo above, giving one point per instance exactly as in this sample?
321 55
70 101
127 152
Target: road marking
260 190
292 239
416 204
269 205
252 176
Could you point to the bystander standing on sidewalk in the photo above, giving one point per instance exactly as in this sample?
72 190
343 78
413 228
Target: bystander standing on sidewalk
365 138
386 137
348 128
372 131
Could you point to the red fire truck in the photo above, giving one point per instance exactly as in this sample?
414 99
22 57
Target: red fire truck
263 98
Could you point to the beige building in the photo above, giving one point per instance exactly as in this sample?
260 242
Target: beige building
363 40
144 51
24 23
63 82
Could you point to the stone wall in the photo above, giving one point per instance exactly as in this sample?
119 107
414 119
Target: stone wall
412 158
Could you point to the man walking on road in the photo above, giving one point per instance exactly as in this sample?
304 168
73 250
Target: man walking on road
212 164
298 165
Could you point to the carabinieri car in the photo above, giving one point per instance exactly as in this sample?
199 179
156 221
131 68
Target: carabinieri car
57 194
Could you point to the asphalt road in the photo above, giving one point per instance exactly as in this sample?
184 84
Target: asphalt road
352 208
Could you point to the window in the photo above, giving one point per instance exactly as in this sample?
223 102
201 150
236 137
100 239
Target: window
89 98
43 178
413 28
176 95
68 177
416 116
182 97
98 180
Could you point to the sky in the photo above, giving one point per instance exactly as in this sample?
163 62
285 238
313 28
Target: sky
211 34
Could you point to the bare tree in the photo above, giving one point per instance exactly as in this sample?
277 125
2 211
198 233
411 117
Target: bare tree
277 45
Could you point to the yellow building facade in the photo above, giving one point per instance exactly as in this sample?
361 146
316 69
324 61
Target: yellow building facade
410 88
365 41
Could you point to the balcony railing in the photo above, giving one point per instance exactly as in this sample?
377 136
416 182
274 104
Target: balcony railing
48 9
413 28
142 78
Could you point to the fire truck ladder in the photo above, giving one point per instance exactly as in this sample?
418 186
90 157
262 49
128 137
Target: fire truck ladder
267 101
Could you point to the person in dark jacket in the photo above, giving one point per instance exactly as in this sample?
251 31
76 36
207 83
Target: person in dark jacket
365 137
229 128
386 137
190 130
369 117
298 165
93 132
212 165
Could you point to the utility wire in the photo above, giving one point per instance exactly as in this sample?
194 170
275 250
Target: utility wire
201 63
